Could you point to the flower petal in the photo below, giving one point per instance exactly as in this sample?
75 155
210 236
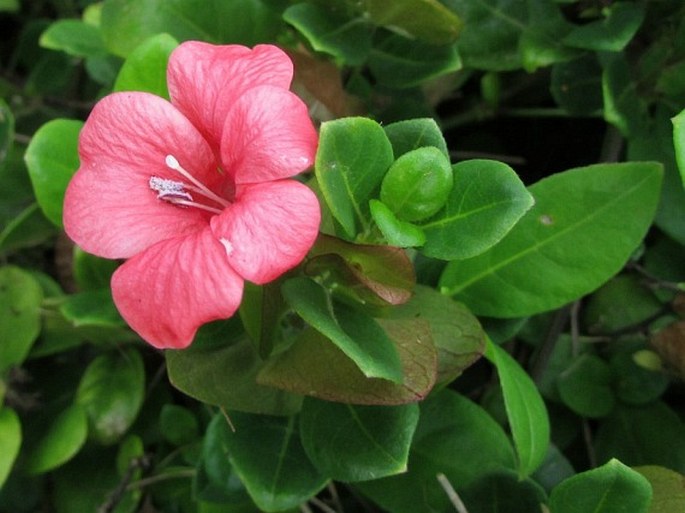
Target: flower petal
268 135
205 80
269 229
109 208
168 291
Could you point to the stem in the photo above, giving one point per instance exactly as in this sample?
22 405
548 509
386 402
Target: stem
160 478
451 493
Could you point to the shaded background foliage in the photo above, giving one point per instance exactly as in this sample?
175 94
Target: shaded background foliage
515 377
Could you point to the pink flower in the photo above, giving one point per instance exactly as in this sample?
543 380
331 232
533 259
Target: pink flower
196 193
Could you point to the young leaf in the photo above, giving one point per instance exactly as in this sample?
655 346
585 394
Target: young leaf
356 334
486 201
10 441
52 159
145 67
357 443
353 156
64 438
578 222
525 410
410 134
20 300
611 488
111 392
314 366
395 232
417 184
267 454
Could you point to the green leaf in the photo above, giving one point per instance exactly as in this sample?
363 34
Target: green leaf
145 67
425 20
92 308
111 392
577 85
220 368
668 489
357 443
348 40
624 107
611 34
417 184
679 142
20 301
6 129
52 159
74 37
267 454
92 273
455 437
10 441
412 134
179 425
314 366
585 387
525 410
353 156
623 302
456 333
578 222
611 488
9 5
503 491
499 23
373 274
353 332
648 435
400 63
395 232
487 200
63 439
28 228
127 23
221 484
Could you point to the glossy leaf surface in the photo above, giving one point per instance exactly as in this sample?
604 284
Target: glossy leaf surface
357 443
578 222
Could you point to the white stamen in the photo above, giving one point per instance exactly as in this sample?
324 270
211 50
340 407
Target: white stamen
172 163
175 200
227 245
168 188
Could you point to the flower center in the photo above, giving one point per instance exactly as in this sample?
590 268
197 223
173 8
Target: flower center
179 192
